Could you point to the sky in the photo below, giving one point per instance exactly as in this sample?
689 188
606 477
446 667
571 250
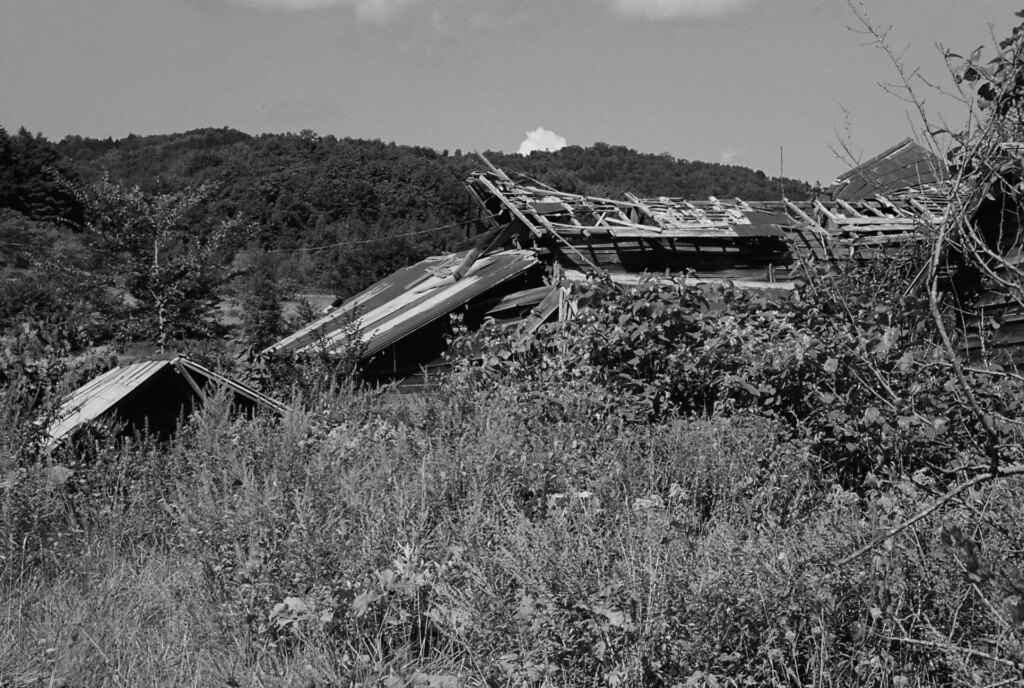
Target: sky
776 85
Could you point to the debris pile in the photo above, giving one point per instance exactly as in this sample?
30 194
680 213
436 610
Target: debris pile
532 239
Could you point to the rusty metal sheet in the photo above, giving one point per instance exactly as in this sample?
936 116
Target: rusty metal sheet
519 300
115 387
905 165
100 395
765 230
404 302
767 217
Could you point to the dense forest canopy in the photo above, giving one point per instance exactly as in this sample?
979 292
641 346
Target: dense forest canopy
296 185
30 171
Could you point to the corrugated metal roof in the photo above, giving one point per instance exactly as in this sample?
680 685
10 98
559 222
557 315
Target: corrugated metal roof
905 165
102 394
404 302
93 399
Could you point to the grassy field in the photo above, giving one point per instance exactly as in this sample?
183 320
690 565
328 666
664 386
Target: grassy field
489 535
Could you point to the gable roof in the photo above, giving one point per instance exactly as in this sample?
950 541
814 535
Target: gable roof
100 395
116 388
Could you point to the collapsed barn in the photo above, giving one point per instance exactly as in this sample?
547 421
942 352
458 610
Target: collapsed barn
532 240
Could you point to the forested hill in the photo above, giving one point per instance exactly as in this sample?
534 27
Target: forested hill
600 169
611 171
305 190
295 182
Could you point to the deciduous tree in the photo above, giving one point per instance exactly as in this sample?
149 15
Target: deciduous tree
164 253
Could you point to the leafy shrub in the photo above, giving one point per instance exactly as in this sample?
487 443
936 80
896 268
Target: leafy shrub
849 362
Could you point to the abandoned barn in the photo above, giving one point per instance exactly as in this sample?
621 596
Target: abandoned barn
532 242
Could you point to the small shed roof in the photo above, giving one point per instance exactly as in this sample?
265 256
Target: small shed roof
100 395
118 389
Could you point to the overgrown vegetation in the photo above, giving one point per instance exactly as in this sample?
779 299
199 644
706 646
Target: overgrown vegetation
809 490
652 494
513 533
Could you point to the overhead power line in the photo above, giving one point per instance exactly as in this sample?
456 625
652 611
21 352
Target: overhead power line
312 249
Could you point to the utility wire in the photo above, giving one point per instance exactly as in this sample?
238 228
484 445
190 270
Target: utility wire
313 249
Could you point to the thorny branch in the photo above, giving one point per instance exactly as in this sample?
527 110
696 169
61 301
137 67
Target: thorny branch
978 158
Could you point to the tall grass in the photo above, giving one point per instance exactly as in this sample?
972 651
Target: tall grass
476 536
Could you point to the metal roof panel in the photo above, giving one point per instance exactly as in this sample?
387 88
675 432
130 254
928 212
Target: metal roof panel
98 396
406 301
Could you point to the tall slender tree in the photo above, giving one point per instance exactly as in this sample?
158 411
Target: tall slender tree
164 253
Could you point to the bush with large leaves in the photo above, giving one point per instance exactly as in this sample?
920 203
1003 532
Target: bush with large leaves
849 361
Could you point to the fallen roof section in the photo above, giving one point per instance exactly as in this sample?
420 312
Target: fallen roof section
906 165
151 394
757 244
406 301
546 210
590 234
841 231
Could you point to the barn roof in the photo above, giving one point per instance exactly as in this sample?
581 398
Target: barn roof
904 166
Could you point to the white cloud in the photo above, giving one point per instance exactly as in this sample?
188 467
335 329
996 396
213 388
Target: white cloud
382 10
668 9
373 10
541 139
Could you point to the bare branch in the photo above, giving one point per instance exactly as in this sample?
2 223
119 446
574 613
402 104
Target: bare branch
1017 469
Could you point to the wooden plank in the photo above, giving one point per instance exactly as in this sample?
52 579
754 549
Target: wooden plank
680 233
902 222
554 232
747 280
544 310
925 211
183 371
491 167
853 212
800 213
832 217
511 206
